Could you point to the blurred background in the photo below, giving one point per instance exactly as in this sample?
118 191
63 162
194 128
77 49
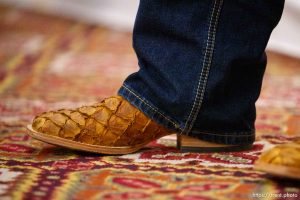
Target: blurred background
120 14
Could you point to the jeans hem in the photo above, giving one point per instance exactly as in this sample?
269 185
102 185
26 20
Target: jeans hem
147 108
234 138
231 138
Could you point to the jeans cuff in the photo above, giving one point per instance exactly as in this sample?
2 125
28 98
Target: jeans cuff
148 108
151 111
232 138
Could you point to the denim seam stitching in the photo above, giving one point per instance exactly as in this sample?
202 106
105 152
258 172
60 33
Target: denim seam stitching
206 133
207 59
147 104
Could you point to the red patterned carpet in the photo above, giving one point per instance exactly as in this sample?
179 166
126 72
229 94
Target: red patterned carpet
48 63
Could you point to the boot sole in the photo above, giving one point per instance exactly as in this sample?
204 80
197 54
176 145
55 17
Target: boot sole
279 170
55 140
184 144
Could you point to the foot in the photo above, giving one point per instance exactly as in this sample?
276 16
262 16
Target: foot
113 126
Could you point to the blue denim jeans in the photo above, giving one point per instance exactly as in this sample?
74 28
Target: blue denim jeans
201 65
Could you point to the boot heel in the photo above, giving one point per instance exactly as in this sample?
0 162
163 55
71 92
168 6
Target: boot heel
192 144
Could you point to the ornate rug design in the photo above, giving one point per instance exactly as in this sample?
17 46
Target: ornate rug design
49 62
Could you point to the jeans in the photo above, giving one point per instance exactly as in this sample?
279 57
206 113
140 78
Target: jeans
201 65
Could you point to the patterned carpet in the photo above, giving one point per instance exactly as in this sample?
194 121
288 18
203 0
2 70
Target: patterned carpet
49 62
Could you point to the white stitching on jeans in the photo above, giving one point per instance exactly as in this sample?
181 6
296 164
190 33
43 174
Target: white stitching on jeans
205 67
227 134
154 109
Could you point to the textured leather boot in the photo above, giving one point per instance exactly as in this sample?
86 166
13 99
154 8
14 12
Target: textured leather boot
113 126
282 160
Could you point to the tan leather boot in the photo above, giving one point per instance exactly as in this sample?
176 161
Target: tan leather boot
113 126
282 160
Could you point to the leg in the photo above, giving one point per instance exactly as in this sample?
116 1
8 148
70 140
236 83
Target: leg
201 65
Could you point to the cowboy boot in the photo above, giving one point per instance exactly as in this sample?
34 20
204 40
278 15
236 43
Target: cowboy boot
113 126
282 160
